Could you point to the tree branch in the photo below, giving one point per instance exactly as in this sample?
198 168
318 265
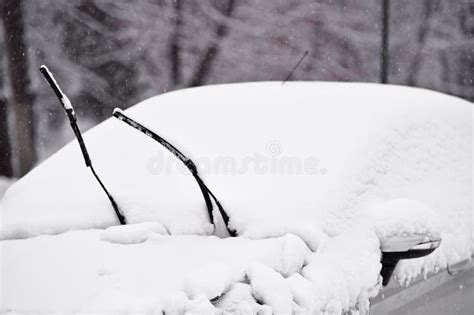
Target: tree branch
208 58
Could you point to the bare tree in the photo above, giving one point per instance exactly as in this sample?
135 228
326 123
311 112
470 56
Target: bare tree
175 46
22 98
384 51
6 168
423 32
209 54
466 62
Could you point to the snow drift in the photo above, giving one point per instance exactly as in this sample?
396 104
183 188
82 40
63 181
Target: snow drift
314 176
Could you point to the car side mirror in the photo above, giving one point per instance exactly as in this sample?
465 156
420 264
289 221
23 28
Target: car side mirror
397 249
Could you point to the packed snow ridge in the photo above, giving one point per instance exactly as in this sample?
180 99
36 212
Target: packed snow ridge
317 179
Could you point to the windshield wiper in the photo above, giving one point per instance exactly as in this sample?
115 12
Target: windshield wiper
206 192
71 115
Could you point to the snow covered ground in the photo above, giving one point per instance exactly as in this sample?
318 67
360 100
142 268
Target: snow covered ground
316 177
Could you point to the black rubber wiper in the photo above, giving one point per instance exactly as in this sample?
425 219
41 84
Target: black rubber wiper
71 115
206 192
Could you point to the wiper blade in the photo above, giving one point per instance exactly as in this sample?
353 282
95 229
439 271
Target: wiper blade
206 192
71 115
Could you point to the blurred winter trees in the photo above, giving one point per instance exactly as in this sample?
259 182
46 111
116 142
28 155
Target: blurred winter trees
114 53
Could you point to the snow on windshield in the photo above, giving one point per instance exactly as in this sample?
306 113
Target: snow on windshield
313 194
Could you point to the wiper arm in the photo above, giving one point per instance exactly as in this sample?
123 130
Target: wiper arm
71 115
206 192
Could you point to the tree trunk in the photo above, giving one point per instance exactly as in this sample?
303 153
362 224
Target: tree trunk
6 168
205 64
465 60
384 61
445 72
175 47
5 148
421 42
22 99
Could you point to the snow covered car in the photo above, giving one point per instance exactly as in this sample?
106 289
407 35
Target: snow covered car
326 186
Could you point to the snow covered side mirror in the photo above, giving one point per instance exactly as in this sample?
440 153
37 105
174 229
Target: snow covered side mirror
394 250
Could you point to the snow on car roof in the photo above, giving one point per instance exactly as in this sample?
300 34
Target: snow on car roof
321 161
